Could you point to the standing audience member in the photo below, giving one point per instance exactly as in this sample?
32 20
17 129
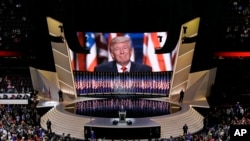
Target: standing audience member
49 126
237 108
181 96
185 129
171 138
60 94
92 135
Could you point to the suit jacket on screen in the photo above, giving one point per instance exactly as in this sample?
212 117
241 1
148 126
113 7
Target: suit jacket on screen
111 67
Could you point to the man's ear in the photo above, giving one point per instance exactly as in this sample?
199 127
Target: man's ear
112 55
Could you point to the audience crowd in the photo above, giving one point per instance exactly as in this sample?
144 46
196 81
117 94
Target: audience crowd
217 123
15 81
21 122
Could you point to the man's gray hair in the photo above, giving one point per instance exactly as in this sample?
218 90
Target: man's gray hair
120 39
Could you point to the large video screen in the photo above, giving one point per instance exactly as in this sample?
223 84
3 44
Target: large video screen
144 46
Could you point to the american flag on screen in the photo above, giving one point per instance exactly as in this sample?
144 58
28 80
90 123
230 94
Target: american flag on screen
101 44
78 60
159 62
99 50
91 58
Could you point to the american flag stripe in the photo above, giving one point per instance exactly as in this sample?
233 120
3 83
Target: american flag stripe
159 57
80 57
72 60
167 56
152 57
145 50
101 43
80 62
92 56
158 62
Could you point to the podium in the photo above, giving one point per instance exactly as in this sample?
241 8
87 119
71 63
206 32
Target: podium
122 116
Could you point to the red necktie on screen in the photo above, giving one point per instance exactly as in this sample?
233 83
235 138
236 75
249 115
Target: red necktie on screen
123 69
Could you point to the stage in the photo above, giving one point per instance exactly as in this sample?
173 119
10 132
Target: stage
64 120
130 128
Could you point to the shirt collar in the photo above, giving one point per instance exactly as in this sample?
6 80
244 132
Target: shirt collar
128 66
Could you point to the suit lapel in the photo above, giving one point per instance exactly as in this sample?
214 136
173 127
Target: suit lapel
114 67
132 67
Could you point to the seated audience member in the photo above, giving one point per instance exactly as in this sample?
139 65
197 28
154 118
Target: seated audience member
18 96
25 96
5 96
2 90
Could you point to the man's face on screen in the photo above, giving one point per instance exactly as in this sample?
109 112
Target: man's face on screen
121 52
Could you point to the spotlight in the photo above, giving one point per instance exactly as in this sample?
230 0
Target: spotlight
129 122
115 122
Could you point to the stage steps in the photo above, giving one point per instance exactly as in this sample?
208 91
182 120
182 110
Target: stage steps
171 125
67 123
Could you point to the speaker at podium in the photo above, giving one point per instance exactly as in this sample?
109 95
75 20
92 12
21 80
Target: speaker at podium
122 114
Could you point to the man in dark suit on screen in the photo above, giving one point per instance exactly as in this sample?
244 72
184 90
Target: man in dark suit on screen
121 51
